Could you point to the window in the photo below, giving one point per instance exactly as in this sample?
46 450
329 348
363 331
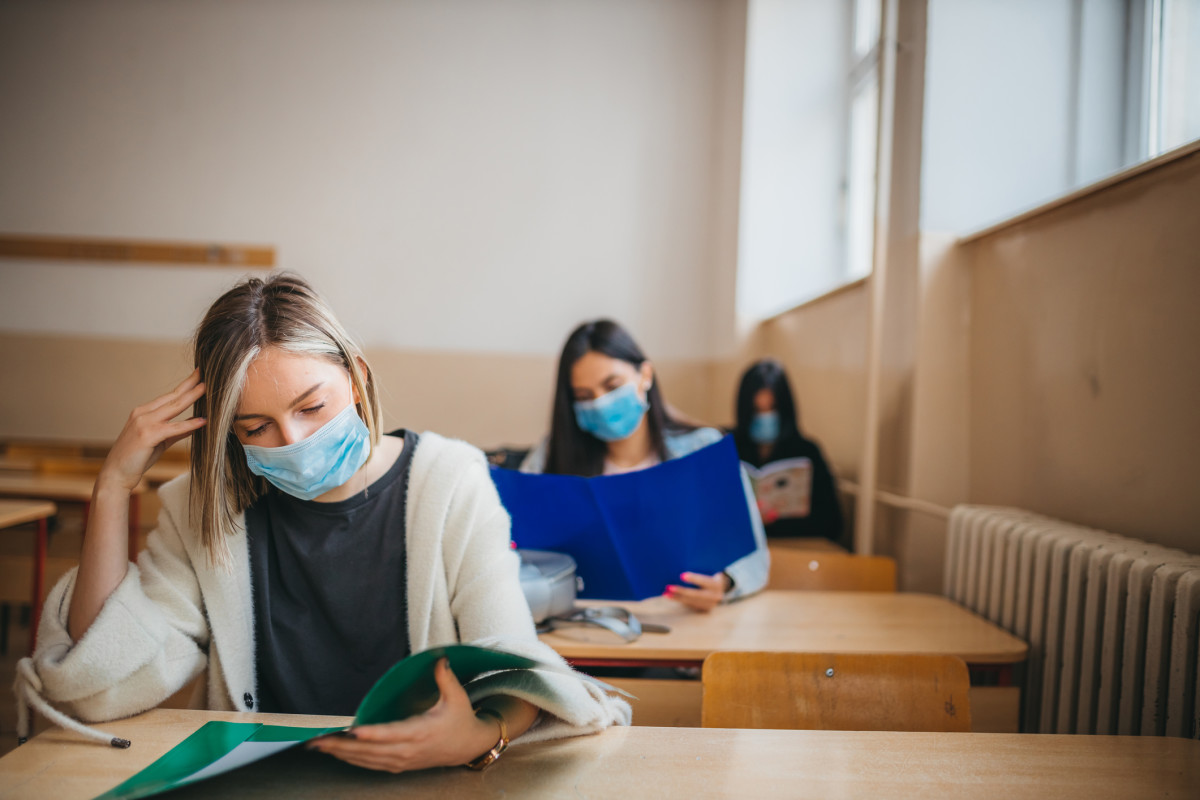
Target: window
1164 75
1028 101
858 229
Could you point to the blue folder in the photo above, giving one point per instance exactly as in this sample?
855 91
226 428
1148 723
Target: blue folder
633 534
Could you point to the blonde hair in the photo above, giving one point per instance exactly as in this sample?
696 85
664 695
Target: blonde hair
282 311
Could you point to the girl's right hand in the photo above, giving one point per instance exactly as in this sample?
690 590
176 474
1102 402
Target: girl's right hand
150 430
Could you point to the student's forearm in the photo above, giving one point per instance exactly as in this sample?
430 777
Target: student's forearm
104 559
518 714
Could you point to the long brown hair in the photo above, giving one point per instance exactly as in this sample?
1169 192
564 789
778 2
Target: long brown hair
281 311
572 450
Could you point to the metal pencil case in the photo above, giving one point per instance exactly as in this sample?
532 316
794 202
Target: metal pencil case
549 582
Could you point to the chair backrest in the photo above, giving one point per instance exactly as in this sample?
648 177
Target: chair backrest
836 691
797 569
507 457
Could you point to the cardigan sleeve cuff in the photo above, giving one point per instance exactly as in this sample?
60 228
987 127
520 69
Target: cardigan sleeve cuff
127 635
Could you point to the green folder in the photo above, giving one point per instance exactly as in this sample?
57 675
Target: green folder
407 689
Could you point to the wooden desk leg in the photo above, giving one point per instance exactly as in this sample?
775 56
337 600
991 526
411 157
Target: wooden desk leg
135 508
39 576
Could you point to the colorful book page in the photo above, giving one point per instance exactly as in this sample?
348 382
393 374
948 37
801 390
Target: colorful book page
783 488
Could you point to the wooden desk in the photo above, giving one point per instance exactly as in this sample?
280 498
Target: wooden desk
822 622
69 489
777 620
162 471
20 512
629 763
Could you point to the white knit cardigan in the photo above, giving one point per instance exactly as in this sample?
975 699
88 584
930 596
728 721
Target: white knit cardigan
174 615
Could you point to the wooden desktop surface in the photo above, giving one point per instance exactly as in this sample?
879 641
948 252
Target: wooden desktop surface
850 622
19 512
61 488
647 762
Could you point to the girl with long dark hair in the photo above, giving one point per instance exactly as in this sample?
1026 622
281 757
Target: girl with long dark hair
768 433
610 417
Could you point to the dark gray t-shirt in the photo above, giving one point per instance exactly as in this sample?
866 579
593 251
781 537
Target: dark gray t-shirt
330 611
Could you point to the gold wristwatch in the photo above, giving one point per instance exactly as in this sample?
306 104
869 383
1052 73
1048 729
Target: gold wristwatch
490 756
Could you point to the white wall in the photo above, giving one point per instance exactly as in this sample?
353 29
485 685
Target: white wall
454 175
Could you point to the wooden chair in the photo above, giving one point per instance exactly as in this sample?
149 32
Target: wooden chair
796 569
825 691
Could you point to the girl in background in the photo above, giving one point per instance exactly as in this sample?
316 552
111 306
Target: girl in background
767 432
610 417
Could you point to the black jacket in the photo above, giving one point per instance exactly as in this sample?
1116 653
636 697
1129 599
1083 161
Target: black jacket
825 518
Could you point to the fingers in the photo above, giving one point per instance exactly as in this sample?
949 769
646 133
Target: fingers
366 763
707 593
699 599
704 581
181 428
392 747
387 733
185 427
156 426
447 682
688 593
181 402
441 736
186 385
149 430
372 757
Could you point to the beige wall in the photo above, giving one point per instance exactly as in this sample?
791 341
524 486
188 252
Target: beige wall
82 389
1085 360
823 346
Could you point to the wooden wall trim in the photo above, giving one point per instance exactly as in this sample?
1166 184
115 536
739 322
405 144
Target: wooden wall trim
86 249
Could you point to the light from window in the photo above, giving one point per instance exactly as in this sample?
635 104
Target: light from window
862 89
860 180
1175 73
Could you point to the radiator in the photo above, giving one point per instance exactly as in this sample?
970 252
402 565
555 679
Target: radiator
1113 623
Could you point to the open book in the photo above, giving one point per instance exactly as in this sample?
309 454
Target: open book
783 488
407 689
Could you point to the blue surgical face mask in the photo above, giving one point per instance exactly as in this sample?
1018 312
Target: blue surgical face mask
764 427
311 467
612 416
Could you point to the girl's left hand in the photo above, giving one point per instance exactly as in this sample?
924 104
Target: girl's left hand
706 593
447 735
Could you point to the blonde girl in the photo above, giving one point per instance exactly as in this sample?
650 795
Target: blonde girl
304 553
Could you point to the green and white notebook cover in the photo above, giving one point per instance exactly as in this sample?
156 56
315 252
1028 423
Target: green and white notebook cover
408 688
